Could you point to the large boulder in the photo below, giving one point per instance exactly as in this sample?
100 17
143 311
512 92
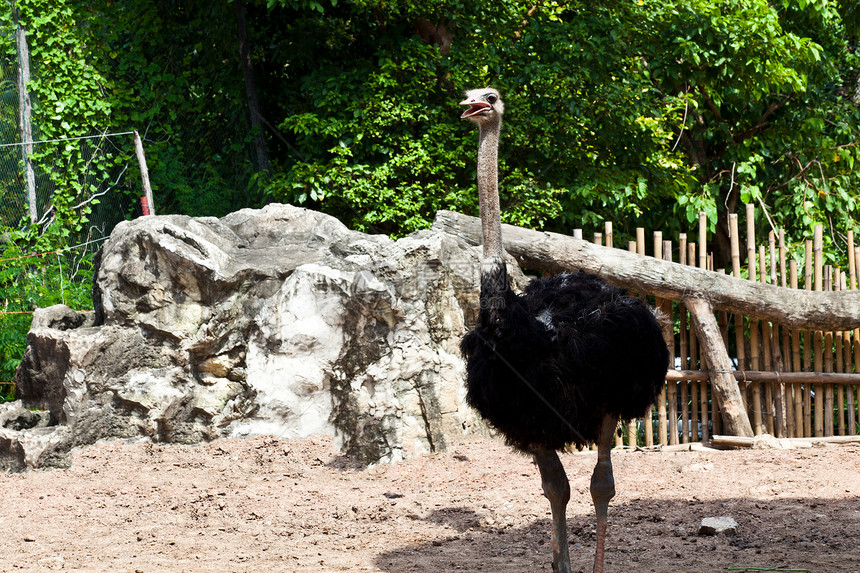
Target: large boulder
275 321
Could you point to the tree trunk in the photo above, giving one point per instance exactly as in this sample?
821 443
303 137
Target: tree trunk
551 252
261 152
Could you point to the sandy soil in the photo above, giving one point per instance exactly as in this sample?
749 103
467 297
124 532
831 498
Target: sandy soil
272 505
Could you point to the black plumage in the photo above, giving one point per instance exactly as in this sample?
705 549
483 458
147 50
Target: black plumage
560 363
546 366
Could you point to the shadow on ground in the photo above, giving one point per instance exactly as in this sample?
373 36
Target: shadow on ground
802 535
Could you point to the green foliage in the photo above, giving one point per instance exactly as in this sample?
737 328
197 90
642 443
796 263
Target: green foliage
36 270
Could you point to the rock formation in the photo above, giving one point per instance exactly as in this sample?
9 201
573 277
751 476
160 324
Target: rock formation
275 321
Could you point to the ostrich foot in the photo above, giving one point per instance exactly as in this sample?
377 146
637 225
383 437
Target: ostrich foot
603 486
557 490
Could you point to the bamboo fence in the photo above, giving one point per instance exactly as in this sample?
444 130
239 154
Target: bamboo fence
794 383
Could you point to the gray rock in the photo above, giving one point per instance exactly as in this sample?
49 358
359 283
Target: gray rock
717 525
275 321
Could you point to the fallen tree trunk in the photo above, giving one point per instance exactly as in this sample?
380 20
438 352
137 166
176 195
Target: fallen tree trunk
745 442
551 252
723 384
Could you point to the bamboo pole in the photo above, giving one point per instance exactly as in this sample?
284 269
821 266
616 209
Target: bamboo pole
818 342
661 404
828 361
637 246
755 403
703 386
607 233
763 376
694 361
839 339
787 391
740 339
808 344
852 283
684 349
856 341
767 396
671 387
795 362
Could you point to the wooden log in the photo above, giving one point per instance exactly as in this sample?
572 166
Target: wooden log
746 442
735 419
552 252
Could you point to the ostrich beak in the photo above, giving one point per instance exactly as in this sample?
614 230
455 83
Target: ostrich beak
476 107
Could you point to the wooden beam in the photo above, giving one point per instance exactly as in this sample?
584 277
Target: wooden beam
552 252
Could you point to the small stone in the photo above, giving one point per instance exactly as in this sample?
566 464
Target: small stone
717 525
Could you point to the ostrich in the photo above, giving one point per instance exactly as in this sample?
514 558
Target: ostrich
559 364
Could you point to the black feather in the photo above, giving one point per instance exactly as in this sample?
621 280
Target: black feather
544 367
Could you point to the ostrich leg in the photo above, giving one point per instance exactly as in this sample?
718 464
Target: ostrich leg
557 490
603 485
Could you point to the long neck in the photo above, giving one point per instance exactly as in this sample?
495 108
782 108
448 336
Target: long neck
488 192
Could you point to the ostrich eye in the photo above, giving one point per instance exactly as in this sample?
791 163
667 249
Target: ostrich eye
491 98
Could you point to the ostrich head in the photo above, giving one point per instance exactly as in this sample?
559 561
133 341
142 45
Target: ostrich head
485 106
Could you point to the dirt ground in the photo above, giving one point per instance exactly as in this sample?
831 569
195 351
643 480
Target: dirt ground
265 504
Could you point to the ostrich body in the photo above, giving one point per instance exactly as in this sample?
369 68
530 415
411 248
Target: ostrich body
559 364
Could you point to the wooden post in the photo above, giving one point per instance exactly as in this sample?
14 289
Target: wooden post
144 172
25 111
735 419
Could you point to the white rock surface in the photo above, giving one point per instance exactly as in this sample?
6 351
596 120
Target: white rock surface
274 321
